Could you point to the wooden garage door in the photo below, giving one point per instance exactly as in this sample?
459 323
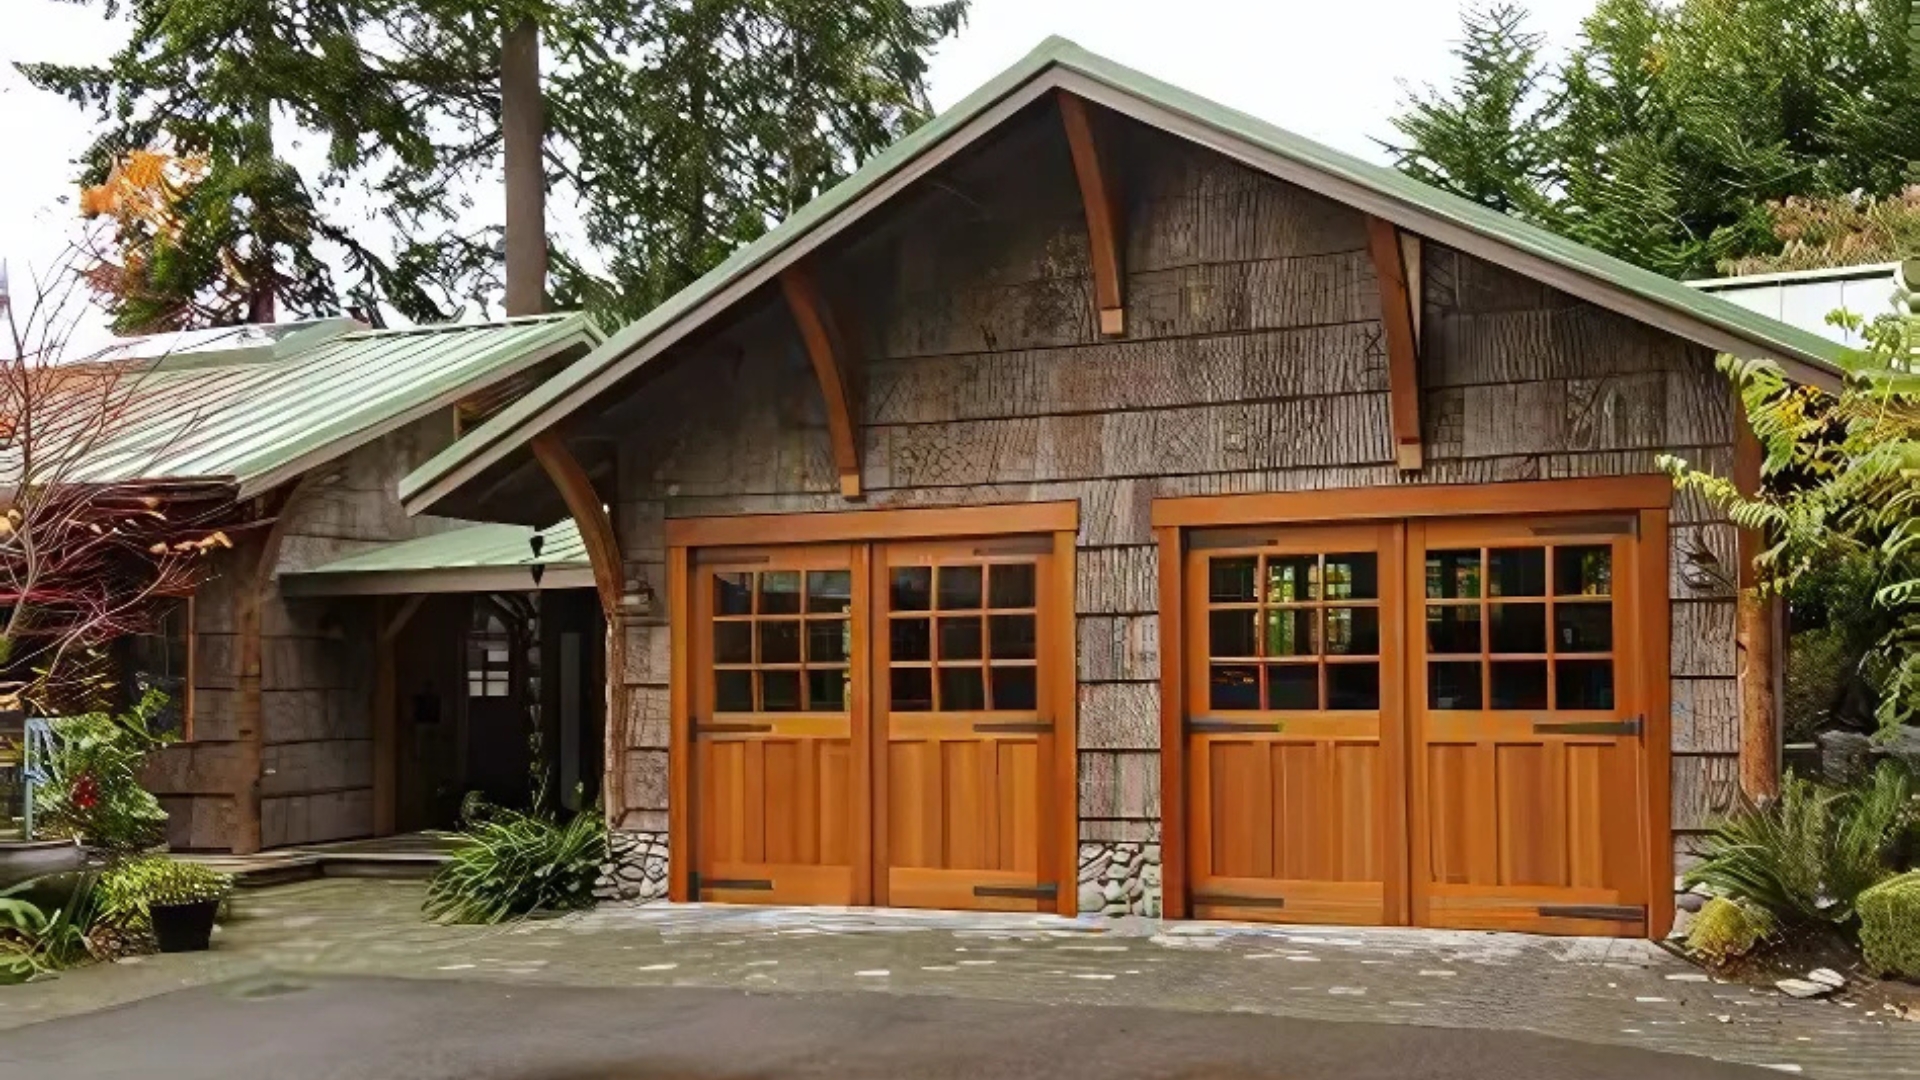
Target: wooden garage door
1529 792
871 724
773 722
1427 722
965 731
1294 725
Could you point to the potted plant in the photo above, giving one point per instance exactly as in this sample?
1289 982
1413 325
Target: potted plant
180 900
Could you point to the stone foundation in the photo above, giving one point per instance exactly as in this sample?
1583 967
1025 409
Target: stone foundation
1120 877
636 867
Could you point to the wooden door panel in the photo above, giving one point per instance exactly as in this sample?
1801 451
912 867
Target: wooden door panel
778 801
1294 726
1528 797
965 737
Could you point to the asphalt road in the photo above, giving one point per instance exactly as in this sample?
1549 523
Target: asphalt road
295 1028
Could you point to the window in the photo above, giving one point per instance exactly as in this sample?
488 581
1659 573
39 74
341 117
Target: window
1520 628
161 660
780 640
1294 632
963 637
489 655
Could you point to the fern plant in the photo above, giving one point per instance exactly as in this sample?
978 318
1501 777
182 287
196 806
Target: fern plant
510 863
1843 480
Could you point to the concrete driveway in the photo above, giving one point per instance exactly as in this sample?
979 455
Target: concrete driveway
294 1028
1506 998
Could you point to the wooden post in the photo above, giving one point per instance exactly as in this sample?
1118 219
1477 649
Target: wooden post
389 620
603 553
1756 655
522 131
249 711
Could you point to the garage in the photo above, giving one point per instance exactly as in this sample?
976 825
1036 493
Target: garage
1434 720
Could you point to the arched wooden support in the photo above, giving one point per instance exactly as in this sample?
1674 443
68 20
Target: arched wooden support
603 553
826 349
1396 265
1100 198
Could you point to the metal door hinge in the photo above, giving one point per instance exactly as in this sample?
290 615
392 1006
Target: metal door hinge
1229 900
1014 727
1207 725
703 884
1634 726
1626 913
730 729
1046 890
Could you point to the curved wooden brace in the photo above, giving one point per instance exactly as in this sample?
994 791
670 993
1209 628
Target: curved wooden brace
1396 265
826 350
603 553
1100 197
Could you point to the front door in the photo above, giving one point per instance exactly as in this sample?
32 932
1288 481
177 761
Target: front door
1528 790
964 726
773 724
1293 725
872 724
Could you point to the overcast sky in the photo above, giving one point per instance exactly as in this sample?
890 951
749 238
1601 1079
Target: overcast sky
1328 69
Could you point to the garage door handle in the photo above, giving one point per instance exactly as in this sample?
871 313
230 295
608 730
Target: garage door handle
1208 726
1589 727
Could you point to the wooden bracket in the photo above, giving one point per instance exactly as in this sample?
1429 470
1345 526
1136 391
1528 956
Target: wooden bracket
1396 265
603 553
826 350
397 621
1100 197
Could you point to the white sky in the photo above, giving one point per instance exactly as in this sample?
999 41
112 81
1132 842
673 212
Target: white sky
1329 70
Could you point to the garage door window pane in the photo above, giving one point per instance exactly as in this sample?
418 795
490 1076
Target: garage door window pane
733 691
1293 686
1453 575
912 639
829 591
960 638
911 588
1453 684
1233 686
1353 686
1010 637
959 588
1292 579
1582 571
1517 628
1014 689
733 594
1353 577
1517 572
780 691
912 689
826 690
1583 684
780 592
1518 684
1293 632
1582 627
1010 585
1453 628
1230 633
733 642
780 641
1353 631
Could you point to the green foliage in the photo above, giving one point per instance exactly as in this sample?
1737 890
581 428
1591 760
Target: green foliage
679 130
128 890
1843 481
1833 627
1890 926
509 863
1669 127
1819 231
34 941
93 791
1726 928
1806 857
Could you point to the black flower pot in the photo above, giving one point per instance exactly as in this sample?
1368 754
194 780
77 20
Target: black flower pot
184 927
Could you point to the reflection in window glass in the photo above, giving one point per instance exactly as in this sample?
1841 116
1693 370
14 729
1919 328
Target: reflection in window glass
1292 631
962 689
1453 628
826 690
1517 628
1353 577
1453 684
780 641
911 588
1293 686
1230 632
780 691
959 588
912 639
1292 579
1518 684
780 592
1011 637
1453 575
1517 571
1010 585
1583 684
733 594
1353 631
1233 686
1230 581
1014 689
1582 571
1353 686
827 641
1582 628
829 591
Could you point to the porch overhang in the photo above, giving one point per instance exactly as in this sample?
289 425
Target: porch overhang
473 558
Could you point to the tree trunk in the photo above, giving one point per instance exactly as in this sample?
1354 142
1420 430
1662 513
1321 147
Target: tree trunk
522 128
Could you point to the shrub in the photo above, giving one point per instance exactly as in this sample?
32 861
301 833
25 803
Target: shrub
129 889
34 941
1807 856
93 790
1890 926
509 863
1727 928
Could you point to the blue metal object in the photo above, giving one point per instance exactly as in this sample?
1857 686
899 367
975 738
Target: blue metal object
38 751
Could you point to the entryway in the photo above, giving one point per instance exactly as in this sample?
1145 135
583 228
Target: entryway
1436 722
877 723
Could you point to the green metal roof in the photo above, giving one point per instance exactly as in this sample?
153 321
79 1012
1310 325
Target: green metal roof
1060 64
468 559
262 405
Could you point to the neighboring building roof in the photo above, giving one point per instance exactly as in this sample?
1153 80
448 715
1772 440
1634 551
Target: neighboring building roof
257 406
1804 298
1059 64
474 558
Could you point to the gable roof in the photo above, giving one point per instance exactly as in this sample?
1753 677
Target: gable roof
473 558
1059 64
260 407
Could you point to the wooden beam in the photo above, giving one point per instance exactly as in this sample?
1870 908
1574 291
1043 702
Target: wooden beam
1396 266
1587 495
609 573
1755 655
864 526
249 711
1100 198
826 350
1173 728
